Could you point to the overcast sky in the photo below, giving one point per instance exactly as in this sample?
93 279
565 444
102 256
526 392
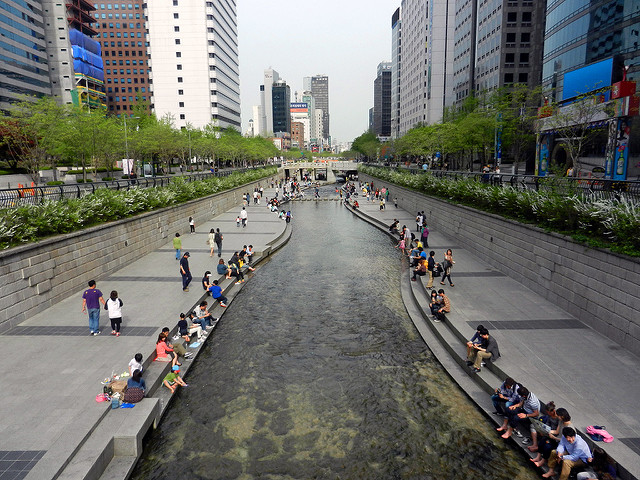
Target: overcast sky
344 39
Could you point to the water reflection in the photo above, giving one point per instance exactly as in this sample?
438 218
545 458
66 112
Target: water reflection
317 372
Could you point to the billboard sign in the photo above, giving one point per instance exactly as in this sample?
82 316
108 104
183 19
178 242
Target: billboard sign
587 79
299 107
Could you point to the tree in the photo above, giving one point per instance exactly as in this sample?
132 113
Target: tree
33 128
574 123
367 144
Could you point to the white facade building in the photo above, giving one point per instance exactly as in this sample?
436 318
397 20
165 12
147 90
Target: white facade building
258 119
194 62
426 73
270 77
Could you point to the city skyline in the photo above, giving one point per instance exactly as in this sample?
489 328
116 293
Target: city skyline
354 37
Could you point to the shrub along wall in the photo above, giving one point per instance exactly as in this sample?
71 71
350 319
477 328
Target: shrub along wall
37 275
597 287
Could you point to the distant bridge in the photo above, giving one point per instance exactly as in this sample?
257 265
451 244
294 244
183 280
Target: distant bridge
329 166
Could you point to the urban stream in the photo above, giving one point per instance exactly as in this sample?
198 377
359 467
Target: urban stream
316 372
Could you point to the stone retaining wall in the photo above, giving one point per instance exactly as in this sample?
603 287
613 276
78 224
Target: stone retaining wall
36 276
599 288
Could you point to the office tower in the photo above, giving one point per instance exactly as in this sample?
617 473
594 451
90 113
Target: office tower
464 53
512 53
123 35
320 91
413 74
312 135
75 59
194 61
257 118
396 65
266 98
579 35
300 114
281 105
382 101
24 69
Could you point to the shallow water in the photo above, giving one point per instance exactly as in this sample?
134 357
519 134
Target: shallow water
316 371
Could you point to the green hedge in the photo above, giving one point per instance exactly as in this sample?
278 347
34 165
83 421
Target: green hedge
613 224
30 223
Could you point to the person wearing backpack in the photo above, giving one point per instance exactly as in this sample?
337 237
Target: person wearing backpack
114 306
217 238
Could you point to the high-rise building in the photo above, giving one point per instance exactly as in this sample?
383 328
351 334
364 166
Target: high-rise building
396 65
266 98
257 119
579 33
300 114
75 60
413 74
512 53
464 50
24 69
281 107
320 91
382 101
122 32
307 97
194 61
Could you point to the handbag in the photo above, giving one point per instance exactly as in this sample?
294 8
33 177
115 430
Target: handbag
133 395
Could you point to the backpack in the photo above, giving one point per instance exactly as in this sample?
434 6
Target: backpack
217 238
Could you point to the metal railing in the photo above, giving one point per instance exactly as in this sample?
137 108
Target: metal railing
15 197
589 186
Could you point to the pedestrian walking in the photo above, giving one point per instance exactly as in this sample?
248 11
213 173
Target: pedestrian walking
185 271
192 225
177 244
218 239
91 299
211 241
243 217
395 202
447 265
114 306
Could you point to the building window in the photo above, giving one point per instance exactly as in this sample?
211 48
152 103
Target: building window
181 104
175 15
177 41
179 67
178 54
180 92
182 116
175 3
508 78
523 77
179 79
176 28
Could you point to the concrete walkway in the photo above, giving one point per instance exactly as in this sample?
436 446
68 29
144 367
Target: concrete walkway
553 354
53 367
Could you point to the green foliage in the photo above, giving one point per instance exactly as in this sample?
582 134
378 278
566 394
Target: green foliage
55 182
30 223
91 170
88 180
367 144
613 224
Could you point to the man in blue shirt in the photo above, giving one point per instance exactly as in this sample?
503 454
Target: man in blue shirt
91 299
216 293
572 451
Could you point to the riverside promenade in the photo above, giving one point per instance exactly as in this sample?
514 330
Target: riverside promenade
50 423
556 356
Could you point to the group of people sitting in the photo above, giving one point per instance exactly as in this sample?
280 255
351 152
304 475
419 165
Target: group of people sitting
553 437
233 268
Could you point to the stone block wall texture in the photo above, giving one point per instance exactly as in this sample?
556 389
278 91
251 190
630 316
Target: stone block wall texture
599 288
36 276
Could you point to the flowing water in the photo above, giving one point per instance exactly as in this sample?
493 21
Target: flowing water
316 372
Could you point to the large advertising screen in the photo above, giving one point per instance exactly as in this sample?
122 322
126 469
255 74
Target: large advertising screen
587 79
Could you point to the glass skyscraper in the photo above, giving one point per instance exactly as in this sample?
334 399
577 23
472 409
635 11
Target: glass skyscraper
23 61
581 32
